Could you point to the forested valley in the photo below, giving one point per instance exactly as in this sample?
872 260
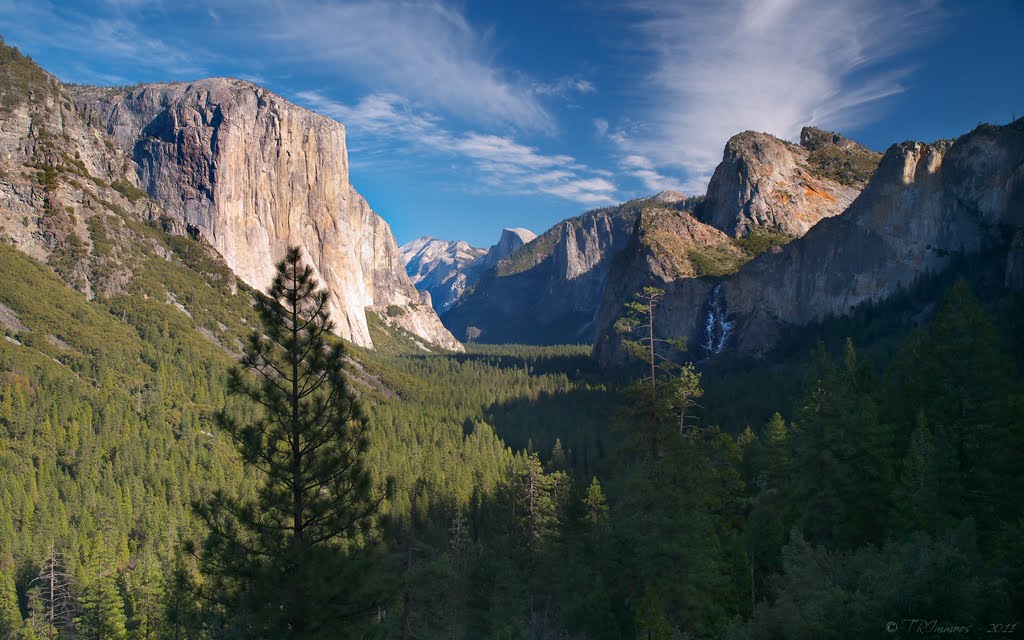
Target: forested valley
854 478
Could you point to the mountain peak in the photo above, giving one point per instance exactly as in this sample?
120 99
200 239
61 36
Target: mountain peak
516 234
668 196
812 139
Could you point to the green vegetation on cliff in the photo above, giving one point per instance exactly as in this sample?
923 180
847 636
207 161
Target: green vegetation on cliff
20 78
852 167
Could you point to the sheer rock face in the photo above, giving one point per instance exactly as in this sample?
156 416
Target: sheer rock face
42 133
661 254
254 174
766 182
925 203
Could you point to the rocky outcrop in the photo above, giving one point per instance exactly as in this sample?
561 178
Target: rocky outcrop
667 197
68 195
440 268
923 205
766 182
252 175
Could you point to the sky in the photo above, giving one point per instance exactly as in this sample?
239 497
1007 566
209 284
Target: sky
466 117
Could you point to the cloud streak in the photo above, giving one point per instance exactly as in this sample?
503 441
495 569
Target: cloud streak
501 163
118 39
725 66
424 50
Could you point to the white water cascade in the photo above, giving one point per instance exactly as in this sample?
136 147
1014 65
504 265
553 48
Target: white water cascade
717 326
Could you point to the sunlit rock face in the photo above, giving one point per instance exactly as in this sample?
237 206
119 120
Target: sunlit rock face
763 181
254 174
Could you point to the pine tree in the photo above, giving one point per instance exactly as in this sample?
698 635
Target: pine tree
102 616
595 505
917 502
10 616
289 563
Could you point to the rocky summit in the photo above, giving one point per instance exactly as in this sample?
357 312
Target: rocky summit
439 267
763 181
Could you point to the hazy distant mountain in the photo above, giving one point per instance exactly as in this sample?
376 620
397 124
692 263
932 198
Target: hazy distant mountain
439 267
444 269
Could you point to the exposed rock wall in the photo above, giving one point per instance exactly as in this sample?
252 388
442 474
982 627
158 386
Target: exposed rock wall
661 253
441 268
255 174
508 243
61 180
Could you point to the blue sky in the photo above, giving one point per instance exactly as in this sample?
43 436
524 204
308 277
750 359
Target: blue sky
467 117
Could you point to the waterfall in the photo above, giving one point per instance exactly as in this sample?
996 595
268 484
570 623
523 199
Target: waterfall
717 326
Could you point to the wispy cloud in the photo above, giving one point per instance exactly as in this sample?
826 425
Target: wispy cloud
724 66
643 169
564 87
424 50
114 38
501 163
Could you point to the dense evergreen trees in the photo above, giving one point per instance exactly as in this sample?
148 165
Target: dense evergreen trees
529 501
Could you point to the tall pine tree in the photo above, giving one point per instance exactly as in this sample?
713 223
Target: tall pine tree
291 561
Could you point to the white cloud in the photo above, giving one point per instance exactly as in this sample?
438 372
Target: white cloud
725 66
564 87
643 169
114 37
501 163
425 50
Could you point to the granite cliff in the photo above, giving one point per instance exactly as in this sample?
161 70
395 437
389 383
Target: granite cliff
570 283
508 243
925 203
69 197
251 174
